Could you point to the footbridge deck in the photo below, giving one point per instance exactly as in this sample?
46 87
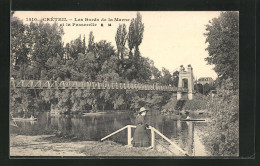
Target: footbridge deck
47 84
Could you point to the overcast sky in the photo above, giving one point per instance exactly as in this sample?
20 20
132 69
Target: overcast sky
170 39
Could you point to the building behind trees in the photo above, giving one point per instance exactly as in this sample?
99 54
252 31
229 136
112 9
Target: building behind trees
205 80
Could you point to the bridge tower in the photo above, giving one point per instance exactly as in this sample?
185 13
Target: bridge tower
186 75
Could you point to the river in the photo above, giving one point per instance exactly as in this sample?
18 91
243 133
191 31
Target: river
95 127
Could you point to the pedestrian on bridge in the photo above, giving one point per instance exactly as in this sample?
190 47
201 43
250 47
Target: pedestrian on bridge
140 138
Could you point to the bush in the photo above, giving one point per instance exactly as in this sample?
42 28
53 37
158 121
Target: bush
222 133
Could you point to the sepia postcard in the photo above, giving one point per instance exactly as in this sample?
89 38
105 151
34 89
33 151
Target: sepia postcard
124 84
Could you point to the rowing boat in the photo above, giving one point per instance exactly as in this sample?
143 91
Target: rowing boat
24 119
93 113
193 120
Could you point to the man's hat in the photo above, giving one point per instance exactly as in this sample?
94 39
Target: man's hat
142 109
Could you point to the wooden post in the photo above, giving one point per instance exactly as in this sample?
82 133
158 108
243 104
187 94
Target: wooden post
152 138
129 135
22 83
48 84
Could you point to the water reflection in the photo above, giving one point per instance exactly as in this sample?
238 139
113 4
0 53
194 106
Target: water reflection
190 138
96 127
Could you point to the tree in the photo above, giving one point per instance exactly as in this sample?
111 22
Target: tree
206 88
67 50
84 68
47 43
91 43
135 35
143 70
121 36
198 88
223 46
84 45
75 47
103 51
175 80
109 73
223 39
21 44
35 49
37 52
64 103
222 133
166 78
130 38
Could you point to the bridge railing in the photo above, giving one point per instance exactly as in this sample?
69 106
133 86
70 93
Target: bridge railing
153 131
46 84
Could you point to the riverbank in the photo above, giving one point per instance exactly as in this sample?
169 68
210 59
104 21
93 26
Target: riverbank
49 145
194 108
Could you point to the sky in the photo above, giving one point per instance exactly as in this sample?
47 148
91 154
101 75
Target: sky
170 39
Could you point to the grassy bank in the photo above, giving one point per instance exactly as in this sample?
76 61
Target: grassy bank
174 106
49 145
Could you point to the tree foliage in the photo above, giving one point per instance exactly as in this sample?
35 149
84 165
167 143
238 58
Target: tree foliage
204 89
75 47
135 34
91 43
222 136
37 52
222 37
20 47
121 36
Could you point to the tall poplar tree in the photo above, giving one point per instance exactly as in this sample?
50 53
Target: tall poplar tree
121 36
91 43
135 35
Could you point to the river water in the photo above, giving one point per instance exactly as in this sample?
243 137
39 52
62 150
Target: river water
95 127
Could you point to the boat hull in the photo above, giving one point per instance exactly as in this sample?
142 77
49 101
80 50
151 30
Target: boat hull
24 119
193 120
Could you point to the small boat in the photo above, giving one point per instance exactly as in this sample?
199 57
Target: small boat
193 120
12 123
93 113
24 119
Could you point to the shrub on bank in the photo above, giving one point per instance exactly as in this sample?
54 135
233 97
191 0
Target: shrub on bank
222 133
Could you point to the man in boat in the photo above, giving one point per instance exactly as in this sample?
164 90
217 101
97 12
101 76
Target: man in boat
188 117
140 138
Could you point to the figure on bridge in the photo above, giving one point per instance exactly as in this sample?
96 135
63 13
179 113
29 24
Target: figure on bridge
140 138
